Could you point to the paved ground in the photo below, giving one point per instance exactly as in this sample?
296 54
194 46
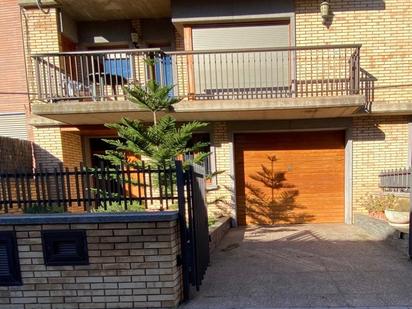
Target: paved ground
304 266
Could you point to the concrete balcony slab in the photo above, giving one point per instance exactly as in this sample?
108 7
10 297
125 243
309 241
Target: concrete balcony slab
89 113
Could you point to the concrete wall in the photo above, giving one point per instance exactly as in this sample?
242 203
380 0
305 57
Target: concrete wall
157 32
69 27
186 9
133 264
99 32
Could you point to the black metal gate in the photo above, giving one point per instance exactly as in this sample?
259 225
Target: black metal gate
191 184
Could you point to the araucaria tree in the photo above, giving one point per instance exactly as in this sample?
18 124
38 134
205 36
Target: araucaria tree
161 142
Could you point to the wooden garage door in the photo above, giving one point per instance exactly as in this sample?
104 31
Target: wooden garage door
294 177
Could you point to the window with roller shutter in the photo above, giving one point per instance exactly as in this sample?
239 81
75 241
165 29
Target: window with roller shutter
214 72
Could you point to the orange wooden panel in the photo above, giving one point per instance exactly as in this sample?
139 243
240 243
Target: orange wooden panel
301 177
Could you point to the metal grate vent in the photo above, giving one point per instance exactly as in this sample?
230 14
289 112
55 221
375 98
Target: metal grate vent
4 261
65 247
9 260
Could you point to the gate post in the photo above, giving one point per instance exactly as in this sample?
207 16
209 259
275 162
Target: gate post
180 182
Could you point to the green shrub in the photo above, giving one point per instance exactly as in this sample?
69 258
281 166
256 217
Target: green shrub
381 202
43 209
119 207
211 220
401 205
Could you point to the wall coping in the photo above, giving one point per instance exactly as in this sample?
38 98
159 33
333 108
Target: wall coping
158 216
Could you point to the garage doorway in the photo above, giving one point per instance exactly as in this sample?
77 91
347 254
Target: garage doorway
290 177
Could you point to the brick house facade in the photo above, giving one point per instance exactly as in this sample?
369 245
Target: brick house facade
14 102
377 136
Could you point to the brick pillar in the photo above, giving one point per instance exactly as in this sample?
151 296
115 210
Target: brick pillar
222 196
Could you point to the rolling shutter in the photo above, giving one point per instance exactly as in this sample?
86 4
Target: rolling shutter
237 37
13 125
246 72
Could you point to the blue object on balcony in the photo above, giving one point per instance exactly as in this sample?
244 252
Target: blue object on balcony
118 67
164 71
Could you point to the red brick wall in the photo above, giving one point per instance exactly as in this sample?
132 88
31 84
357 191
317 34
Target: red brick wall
13 87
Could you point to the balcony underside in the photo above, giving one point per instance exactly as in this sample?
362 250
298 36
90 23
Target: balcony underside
70 113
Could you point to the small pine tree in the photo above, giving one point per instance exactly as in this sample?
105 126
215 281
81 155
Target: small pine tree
162 142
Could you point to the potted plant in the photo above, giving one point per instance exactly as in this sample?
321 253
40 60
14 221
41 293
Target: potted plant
376 204
398 215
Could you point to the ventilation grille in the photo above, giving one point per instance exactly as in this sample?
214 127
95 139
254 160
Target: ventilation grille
9 260
65 248
4 261
68 247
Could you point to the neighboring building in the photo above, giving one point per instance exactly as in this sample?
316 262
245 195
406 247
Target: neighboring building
331 99
14 100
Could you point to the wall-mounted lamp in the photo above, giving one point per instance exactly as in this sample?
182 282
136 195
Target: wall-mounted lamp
325 12
135 39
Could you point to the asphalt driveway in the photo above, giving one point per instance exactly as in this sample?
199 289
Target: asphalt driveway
328 265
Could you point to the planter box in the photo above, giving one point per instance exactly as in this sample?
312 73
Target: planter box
398 217
217 231
399 220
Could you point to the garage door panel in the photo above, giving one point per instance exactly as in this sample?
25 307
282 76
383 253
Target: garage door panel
313 166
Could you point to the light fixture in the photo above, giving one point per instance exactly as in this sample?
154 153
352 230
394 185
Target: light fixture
135 39
325 11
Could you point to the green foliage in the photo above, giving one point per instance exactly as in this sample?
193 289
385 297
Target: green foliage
381 202
211 220
161 143
42 209
119 207
153 97
401 205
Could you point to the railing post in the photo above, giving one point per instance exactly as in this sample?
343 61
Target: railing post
356 71
37 76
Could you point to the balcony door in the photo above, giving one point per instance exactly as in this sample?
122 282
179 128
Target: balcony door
234 68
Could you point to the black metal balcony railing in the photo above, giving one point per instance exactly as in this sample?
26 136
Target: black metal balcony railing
201 75
395 180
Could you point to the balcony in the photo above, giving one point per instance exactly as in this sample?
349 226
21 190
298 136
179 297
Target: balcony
283 78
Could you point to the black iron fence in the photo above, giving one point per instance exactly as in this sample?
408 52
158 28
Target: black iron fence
89 189
114 189
395 180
